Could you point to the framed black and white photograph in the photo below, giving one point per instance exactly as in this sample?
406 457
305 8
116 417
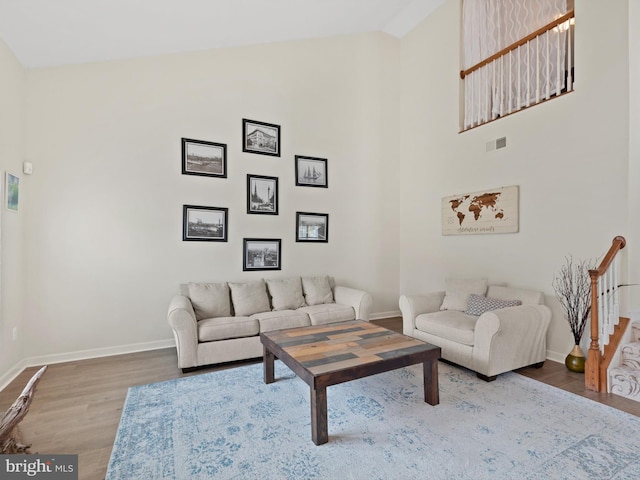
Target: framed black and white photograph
207 159
262 195
204 224
312 227
261 254
260 137
311 172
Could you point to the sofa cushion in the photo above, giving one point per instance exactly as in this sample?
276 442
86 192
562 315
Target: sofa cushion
449 324
527 297
280 319
329 313
317 290
249 298
223 328
478 304
286 294
457 292
210 299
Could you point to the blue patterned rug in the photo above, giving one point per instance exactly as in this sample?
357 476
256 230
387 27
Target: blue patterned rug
230 425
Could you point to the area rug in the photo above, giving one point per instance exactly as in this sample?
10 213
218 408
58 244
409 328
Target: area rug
230 425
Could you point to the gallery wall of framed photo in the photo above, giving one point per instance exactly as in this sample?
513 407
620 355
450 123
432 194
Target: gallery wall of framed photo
210 223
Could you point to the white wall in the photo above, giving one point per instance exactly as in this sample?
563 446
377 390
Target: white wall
104 234
569 157
12 127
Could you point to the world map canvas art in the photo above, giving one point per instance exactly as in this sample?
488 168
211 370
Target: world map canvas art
487 211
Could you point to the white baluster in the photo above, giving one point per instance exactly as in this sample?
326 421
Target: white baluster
548 65
569 76
559 72
538 69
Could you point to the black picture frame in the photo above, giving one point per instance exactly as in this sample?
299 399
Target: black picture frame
202 158
261 254
260 137
204 224
262 195
312 227
311 172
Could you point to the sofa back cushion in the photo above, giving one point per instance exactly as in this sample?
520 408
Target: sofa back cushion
457 292
527 297
249 298
286 294
479 304
209 300
317 290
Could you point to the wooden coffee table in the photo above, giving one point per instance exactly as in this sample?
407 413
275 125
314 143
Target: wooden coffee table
325 355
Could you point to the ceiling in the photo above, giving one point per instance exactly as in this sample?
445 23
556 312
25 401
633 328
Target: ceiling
44 33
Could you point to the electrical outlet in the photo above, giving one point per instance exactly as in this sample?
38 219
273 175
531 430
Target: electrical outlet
15 333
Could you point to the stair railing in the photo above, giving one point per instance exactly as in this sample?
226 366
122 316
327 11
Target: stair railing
605 315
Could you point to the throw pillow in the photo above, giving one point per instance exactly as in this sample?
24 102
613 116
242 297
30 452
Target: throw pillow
317 290
286 294
478 304
210 300
458 291
249 298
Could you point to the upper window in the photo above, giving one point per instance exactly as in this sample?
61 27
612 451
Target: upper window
516 53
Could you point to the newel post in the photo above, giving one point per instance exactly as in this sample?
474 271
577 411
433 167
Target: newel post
592 365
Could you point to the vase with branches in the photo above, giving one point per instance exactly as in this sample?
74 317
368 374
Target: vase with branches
572 286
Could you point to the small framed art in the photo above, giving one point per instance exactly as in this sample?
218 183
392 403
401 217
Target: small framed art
311 172
312 227
12 189
262 195
260 137
207 159
261 254
204 224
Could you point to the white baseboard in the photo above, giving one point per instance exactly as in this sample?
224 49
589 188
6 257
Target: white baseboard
556 357
8 377
381 315
81 355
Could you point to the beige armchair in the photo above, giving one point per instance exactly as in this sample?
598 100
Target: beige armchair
493 342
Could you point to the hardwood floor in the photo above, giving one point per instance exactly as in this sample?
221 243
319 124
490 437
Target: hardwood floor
77 406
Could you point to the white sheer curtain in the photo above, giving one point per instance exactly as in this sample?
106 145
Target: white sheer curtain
524 76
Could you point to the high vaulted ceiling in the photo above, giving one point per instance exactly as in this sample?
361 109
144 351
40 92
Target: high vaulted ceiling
44 33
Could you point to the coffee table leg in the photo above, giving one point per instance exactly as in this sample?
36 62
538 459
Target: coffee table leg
319 431
430 373
268 359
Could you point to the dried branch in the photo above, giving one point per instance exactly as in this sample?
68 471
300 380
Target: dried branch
573 290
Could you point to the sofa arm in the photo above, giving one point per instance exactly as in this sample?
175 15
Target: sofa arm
182 320
413 305
359 300
510 338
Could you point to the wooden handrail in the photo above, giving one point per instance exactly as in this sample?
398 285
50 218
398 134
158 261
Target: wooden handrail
519 43
594 380
617 244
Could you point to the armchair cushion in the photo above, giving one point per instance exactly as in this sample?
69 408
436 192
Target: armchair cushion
317 290
249 298
286 294
449 324
210 300
479 304
458 291
527 297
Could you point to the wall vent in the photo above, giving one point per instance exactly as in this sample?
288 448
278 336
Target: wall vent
501 142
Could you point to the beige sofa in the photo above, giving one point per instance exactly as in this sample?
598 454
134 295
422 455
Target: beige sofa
221 322
489 329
